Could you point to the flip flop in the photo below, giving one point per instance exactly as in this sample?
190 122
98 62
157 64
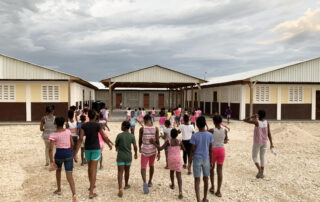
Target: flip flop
150 185
171 186
57 192
211 191
218 195
180 196
145 188
120 194
127 187
93 196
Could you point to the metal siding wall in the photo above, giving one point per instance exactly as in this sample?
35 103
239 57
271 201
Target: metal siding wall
305 72
15 69
155 74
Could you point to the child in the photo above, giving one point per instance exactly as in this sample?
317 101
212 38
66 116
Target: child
201 155
72 126
103 122
260 138
220 137
162 121
187 130
177 113
228 113
128 113
148 151
166 136
174 158
62 139
92 148
83 120
124 141
136 113
172 119
193 119
132 121
169 115
153 114
143 113
101 141
222 123
47 126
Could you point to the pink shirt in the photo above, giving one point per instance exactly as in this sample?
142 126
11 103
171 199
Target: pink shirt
162 120
193 119
261 133
153 112
61 139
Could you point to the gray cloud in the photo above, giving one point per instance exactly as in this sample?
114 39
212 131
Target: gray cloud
99 39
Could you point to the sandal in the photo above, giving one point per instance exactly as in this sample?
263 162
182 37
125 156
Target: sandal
145 188
171 186
150 185
127 187
211 191
57 192
93 196
120 194
180 196
218 194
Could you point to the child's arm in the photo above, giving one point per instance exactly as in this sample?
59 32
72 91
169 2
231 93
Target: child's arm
211 130
135 150
193 148
107 126
164 136
67 125
106 139
210 155
270 137
226 139
78 145
53 165
140 138
182 146
252 120
139 122
71 142
157 141
166 143
42 124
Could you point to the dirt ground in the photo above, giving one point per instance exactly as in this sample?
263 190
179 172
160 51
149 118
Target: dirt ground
292 175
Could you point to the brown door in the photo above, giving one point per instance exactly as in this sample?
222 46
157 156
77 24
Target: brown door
160 101
118 100
318 105
146 101
215 96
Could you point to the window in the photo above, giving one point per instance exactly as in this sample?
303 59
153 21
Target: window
224 95
295 94
50 93
262 94
7 93
235 94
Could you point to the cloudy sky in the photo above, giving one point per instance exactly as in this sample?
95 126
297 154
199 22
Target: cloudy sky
96 39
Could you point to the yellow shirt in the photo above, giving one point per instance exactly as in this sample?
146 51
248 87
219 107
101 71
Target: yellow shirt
169 115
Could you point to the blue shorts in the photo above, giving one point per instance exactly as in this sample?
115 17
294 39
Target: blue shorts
93 155
124 163
166 148
64 156
132 127
178 119
199 164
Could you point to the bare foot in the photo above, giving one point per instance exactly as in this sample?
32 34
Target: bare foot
211 190
74 198
180 196
171 186
120 194
127 187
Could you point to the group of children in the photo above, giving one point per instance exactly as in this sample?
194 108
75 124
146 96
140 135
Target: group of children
202 150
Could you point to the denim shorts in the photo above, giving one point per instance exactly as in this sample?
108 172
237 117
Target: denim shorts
199 164
92 155
64 156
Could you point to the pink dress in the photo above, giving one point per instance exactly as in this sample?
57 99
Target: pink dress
174 157
101 141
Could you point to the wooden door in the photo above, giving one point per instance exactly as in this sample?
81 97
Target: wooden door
318 105
215 96
146 101
118 100
161 101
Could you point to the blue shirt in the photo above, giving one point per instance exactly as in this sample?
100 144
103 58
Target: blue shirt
202 142
132 121
79 129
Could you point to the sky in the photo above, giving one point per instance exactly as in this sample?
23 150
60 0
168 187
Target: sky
97 39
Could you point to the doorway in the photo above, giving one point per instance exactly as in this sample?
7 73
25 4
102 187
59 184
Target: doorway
161 101
118 100
146 101
318 105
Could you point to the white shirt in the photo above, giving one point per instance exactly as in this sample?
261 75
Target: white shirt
218 137
168 132
128 112
186 131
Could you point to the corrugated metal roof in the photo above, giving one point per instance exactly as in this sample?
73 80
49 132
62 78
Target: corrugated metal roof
101 86
277 73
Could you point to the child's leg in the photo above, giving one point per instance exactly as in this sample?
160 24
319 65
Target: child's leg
71 182
197 188
263 149
172 179
120 175
132 131
101 162
58 177
212 178
166 152
93 173
205 187
126 176
185 153
82 156
151 171
47 147
178 174
255 151
219 173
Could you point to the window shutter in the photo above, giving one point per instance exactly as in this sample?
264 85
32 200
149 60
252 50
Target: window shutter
56 93
11 93
1 92
5 92
267 94
44 93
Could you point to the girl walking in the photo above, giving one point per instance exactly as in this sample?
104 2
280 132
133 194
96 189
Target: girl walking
220 137
47 127
72 126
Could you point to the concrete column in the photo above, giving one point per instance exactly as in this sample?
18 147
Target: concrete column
313 104
28 103
242 114
279 103
192 99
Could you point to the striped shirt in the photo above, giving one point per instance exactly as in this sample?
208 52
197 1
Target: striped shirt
261 132
62 139
147 148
